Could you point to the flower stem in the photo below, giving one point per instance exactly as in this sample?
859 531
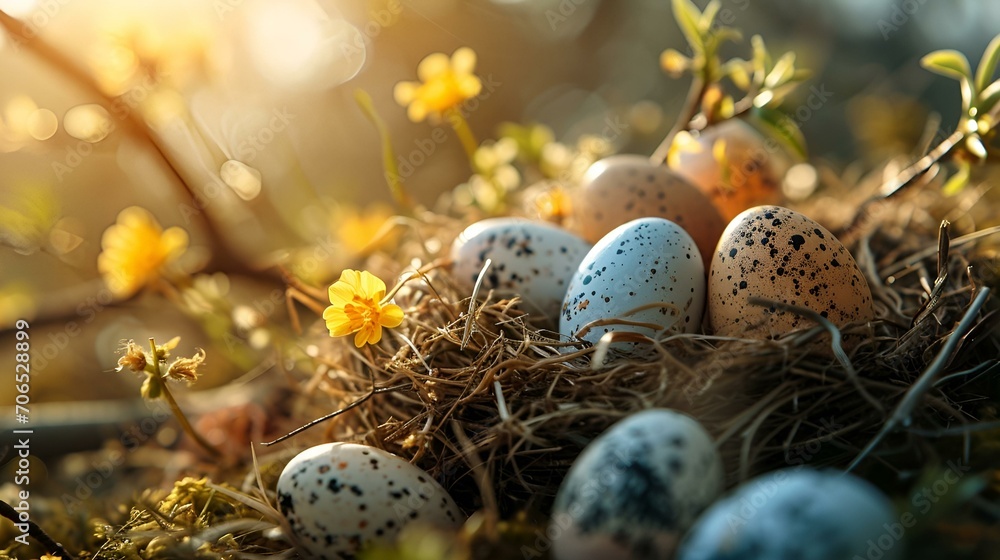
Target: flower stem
465 134
699 85
178 413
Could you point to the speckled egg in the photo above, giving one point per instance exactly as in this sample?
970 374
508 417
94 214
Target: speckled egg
341 497
621 188
635 489
531 259
778 254
798 513
734 164
649 262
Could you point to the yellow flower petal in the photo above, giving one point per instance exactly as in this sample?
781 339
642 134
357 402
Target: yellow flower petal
405 92
341 293
352 280
135 249
372 287
432 66
174 241
469 86
417 111
391 316
463 60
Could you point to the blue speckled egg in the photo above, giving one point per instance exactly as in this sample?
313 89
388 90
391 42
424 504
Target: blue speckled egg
797 513
341 497
649 263
636 488
533 260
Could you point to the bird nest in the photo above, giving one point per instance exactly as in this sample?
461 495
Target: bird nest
494 404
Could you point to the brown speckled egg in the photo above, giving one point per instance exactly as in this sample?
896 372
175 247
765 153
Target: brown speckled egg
778 254
622 188
749 173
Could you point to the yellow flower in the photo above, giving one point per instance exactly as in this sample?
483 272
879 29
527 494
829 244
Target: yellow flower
135 249
444 84
357 308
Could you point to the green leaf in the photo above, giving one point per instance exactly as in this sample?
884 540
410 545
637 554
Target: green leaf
952 64
988 98
687 16
392 176
958 180
988 64
801 75
708 16
974 144
783 71
761 59
949 63
738 70
778 125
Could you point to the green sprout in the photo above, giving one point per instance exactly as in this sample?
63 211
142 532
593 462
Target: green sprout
761 83
980 108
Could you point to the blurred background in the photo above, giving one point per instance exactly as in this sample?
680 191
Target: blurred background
236 120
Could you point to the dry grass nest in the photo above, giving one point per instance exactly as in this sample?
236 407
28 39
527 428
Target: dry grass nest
494 404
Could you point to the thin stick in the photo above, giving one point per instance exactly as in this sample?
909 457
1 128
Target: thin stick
902 416
371 393
36 532
835 345
472 303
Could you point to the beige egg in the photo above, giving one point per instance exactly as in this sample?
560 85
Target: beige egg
622 188
777 254
734 165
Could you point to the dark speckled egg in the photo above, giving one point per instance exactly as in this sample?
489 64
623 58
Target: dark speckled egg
532 260
647 272
802 514
621 188
635 490
341 497
777 254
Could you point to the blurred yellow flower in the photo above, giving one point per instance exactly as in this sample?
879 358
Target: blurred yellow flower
357 308
361 230
135 249
444 84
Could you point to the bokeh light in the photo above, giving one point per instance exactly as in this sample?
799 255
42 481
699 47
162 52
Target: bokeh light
90 122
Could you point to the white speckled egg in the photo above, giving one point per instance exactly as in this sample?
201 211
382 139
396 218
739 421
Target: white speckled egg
531 259
339 497
778 254
625 187
645 262
798 513
635 489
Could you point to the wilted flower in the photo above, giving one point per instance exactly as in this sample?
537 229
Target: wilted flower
357 307
444 84
186 369
132 358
